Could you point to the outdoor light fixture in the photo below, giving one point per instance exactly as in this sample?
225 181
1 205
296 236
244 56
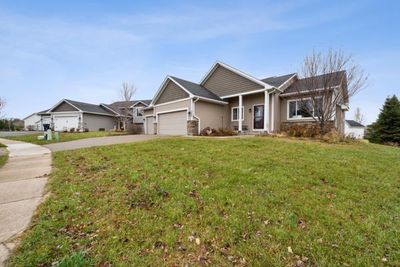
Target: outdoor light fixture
249 110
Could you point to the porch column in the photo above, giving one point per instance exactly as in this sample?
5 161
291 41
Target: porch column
266 111
240 113
272 113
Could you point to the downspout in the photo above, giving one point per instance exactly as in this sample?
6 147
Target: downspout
194 114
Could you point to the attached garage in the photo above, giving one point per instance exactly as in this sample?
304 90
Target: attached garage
149 125
65 122
79 116
173 123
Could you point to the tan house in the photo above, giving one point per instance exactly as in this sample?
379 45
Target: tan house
231 99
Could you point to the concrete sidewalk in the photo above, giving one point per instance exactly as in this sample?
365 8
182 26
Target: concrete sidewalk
99 141
22 182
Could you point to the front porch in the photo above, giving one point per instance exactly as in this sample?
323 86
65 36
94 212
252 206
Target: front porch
252 113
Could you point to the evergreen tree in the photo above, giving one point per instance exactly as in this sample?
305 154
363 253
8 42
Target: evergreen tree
387 128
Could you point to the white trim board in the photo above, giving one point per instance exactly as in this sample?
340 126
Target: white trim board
244 93
162 87
308 91
105 106
171 102
138 103
61 101
282 85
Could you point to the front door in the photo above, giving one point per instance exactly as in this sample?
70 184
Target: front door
258 117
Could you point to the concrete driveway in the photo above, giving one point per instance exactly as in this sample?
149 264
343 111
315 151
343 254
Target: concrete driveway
22 182
99 141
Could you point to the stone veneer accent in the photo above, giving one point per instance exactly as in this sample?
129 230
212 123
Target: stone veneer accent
285 126
193 127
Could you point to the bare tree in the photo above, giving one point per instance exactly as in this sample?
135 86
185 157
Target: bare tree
330 80
127 92
358 116
2 105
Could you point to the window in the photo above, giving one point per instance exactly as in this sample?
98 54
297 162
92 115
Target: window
302 109
139 112
235 113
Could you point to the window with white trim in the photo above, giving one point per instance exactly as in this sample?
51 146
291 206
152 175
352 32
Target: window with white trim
235 113
139 112
303 109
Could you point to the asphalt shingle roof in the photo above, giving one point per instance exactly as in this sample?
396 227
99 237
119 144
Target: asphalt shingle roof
196 89
116 106
90 108
354 123
42 112
277 80
320 81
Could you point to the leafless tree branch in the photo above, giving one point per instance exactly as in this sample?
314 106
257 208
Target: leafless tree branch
358 116
127 92
329 81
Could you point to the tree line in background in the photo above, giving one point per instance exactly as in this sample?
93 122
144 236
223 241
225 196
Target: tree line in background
9 124
386 129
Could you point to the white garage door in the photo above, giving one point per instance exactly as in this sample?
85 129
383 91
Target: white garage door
65 123
174 123
149 125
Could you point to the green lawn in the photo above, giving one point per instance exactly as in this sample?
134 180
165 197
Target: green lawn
3 157
64 137
246 202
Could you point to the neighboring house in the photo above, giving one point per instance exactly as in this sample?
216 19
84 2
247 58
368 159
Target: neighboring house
33 122
129 111
354 129
69 115
37 121
229 98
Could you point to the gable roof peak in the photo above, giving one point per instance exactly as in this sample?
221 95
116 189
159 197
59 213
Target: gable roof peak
234 70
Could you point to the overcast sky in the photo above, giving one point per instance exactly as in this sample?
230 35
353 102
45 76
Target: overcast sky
83 50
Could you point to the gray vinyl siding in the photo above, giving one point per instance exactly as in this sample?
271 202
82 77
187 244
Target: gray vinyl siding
223 82
277 112
149 125
172 106
171 92
94 122
212 115
64 106
148 112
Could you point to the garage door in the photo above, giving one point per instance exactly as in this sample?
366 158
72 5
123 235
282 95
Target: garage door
174 123
149 125
65 123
